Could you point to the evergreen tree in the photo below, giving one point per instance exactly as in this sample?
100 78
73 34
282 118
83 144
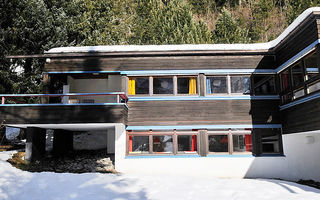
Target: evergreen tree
296 7
27 27
168 22
100 22
228 30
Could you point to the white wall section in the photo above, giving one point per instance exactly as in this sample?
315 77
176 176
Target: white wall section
301 161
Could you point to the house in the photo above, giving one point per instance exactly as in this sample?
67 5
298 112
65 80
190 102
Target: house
229 110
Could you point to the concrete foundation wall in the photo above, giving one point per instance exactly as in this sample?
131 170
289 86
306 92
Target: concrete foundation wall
90 140
301 161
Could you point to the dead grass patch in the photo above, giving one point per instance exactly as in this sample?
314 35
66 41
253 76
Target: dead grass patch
18 161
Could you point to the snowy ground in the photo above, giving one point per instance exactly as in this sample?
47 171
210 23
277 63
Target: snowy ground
16 184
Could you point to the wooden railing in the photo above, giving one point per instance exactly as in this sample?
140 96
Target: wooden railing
121 96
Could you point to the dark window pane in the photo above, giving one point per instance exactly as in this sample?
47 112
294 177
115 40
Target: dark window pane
162 144
183 85
240 84
285 80
218 143
270 142
297 75
162 86
140 144
142 85
311 65
264 85
216 85
242 143
187 143
312 72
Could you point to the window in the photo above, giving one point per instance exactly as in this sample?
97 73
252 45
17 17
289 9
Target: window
297 75
138 144
270 143
240 84
142 85
242 143
162 85
217 84
162 144
285 80
218 143
228 84
312 69
312 72
300 79
264 85
187 143
187 85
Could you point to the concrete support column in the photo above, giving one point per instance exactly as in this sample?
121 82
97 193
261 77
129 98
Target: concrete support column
111 140
62 142
36 143
120 146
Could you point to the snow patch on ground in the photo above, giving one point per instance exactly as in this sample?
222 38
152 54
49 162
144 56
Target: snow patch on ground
16 184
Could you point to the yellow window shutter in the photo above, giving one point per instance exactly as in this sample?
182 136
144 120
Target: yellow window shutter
132 86
193 85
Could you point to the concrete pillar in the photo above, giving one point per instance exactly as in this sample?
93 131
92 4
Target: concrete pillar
111 141
120 146
36 143
62 142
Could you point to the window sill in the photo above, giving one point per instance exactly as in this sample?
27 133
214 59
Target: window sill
271 155
162 156
231 155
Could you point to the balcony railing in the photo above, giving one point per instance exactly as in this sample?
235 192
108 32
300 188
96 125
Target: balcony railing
120 97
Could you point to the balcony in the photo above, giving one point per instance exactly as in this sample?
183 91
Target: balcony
64 108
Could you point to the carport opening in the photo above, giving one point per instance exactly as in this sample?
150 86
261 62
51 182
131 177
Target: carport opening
75 148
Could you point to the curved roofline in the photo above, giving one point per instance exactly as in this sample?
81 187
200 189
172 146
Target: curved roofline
188 47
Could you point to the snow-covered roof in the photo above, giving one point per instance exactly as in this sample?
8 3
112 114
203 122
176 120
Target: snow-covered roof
188 47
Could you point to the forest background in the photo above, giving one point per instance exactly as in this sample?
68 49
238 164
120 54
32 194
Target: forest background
34 26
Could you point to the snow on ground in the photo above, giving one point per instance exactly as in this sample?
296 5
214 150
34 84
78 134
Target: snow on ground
16 184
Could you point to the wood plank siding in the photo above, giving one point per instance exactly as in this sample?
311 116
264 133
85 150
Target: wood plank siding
63 114
161 63
296 41
302 117
143 113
